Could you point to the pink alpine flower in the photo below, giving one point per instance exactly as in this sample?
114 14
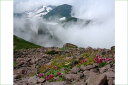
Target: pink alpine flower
49 77
83 61
59 73
41 74
99 59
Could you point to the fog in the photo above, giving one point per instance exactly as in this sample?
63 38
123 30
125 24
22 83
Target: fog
99 33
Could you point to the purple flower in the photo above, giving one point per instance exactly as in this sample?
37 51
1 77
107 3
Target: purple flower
49 77
59 73
41 74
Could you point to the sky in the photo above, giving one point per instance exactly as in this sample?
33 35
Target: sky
100 33
25 5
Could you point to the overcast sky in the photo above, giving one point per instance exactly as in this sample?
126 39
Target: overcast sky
24 5
100 12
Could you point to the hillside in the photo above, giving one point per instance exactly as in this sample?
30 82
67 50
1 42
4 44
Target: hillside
69 65
23 44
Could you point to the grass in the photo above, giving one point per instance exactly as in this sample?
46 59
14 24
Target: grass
23 44
14 63
52 52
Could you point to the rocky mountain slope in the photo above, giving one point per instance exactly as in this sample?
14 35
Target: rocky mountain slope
50 12
38 12
60 11
69 65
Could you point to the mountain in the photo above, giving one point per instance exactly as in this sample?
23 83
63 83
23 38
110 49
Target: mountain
50 12
18 14
41 11
60 11
38 12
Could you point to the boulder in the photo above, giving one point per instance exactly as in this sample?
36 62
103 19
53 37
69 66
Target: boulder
69 45
88 67
17 76
110 74
111 81
94 70
41 80
113 48
97 80
82 67
86 74
80 74
80 83
56 83
75 70
105 68
95 65
33 80
71 77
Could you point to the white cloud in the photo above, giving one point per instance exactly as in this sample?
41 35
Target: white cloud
25 5
99 33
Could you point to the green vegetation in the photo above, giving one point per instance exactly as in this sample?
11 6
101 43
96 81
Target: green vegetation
22 44
14 63
52 52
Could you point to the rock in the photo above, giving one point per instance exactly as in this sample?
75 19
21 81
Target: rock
111 81
95 65
21 63
89 49
69 45
105 68
94 70
41 80
88 67
80 83
21 71
86 72
110 74
75 70
103 52
56 83
56 78
111 69
71 77
113 48
17 76
82 67
23 81
97 80
110 55
108 66
80 74
33 80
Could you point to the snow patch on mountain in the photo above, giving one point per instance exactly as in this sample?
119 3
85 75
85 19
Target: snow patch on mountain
39 12
62 19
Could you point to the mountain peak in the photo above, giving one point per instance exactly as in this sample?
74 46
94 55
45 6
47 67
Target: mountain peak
60 11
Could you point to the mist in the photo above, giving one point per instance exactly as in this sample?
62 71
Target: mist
99 33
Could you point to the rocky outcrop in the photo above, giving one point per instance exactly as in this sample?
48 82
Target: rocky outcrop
69 45
79 68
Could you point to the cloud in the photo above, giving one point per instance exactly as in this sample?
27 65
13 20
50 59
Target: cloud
99 33
26 5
